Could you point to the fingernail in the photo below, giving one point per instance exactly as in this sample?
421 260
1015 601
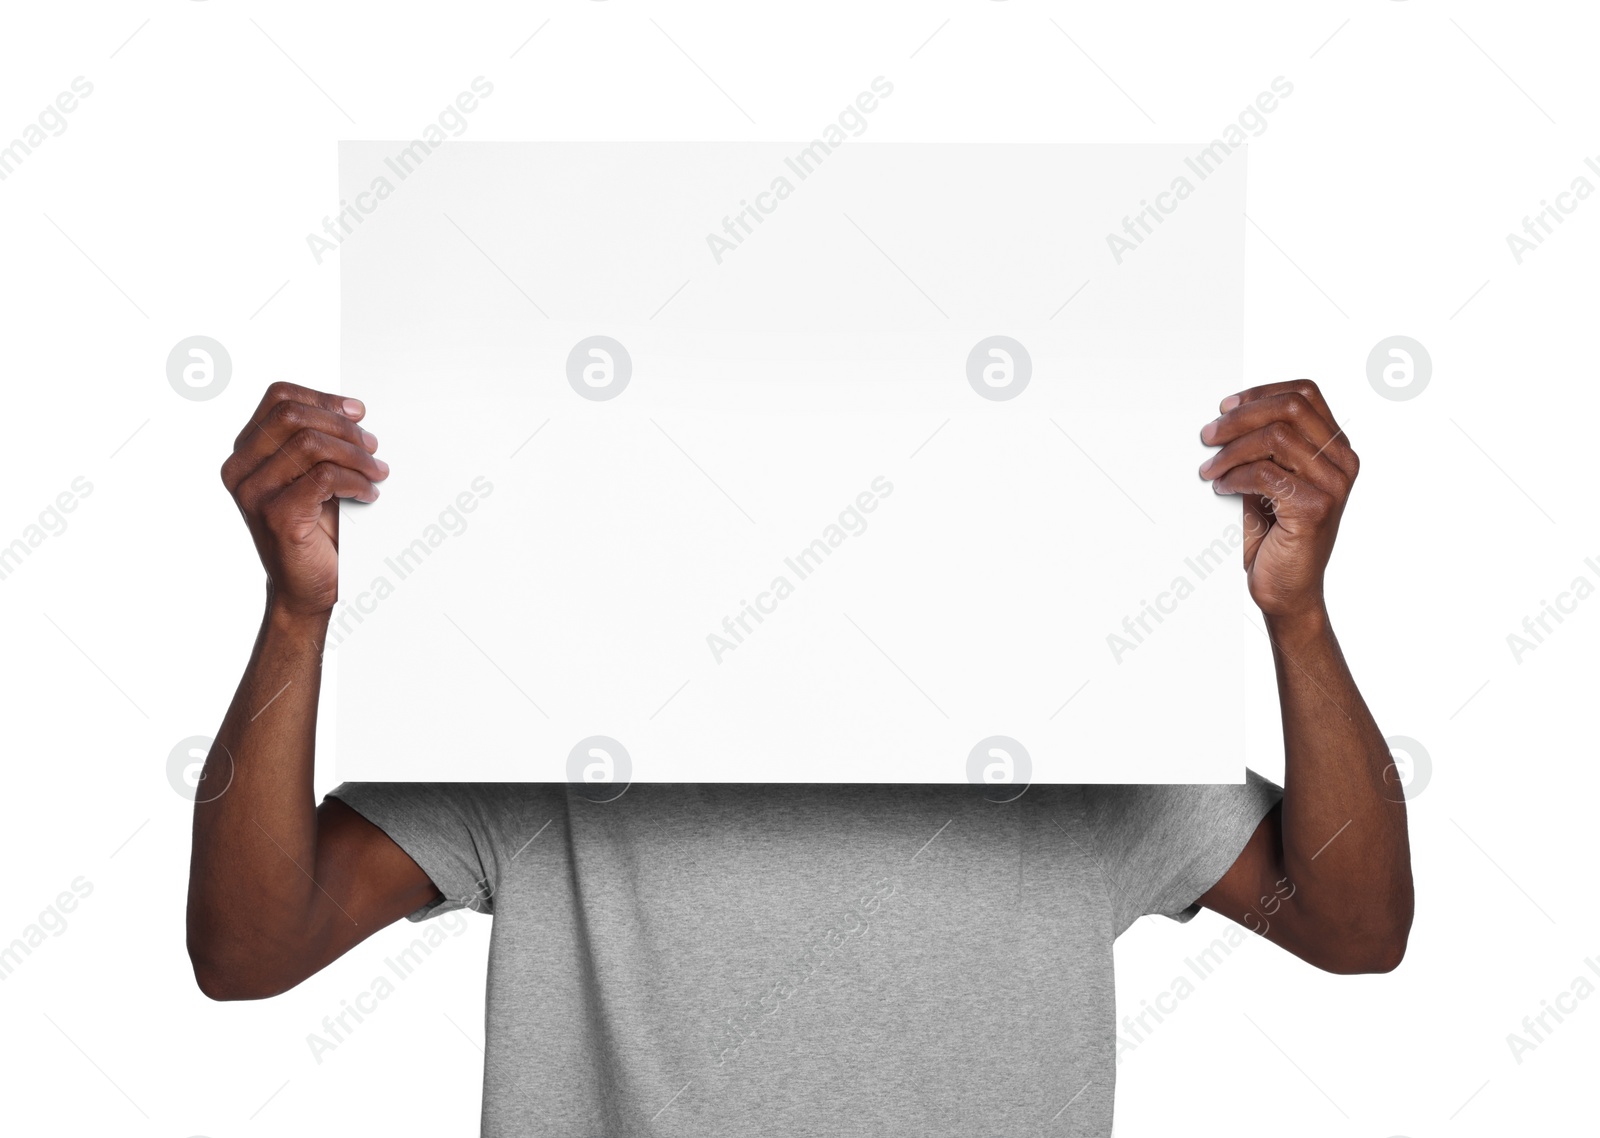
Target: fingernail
369 440
1230 403
382 466
1205 466
354 408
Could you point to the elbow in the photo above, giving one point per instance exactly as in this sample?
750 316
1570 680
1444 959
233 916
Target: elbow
229 984
234 958
215 986
1363 957
225 977
1360 928
1390 948
1382 955
217 981
214 975
1371 950
214 983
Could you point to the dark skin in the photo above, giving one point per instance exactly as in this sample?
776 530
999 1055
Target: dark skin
1327 874
279 886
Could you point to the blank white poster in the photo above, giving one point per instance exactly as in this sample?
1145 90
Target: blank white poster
790 462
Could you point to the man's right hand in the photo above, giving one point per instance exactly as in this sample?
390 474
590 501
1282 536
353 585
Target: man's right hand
301 450
279 886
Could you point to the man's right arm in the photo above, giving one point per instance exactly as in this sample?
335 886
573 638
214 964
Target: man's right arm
279 887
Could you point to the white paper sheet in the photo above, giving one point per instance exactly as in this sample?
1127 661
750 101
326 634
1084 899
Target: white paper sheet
743 462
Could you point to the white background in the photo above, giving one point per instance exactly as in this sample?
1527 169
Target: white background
177 203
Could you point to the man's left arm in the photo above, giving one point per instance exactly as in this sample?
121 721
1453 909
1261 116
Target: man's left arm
1327 874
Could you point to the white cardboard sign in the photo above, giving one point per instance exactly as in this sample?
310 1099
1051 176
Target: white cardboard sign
771 462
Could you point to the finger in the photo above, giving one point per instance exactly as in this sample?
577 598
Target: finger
302 501
1289 407
1280 443
281 423
1291 497
303 498
352 409
1302 387
302 453
1257 520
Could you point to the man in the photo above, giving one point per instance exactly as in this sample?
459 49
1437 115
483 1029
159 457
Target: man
826 960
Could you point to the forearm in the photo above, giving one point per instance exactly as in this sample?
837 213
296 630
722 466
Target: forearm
1344 846
251 889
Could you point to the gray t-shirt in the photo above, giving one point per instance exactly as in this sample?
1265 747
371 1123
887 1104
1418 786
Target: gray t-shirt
830 960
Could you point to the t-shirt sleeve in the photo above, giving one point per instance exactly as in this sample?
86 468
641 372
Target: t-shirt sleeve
447 828
1162 847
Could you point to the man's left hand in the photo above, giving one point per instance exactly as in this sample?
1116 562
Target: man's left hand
1284 452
